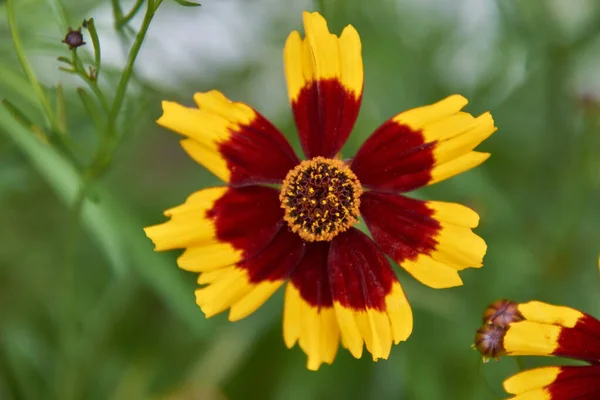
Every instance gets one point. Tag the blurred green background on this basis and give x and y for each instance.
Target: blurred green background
(89, 311)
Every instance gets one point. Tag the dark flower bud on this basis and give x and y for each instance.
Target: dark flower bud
(74, 38)
(502, 313)
(489, 341)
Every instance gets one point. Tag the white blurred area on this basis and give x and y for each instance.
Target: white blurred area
(187, 43)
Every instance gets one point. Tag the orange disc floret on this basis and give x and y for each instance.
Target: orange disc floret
(321, 198)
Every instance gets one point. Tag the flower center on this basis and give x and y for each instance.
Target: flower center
(321, 197)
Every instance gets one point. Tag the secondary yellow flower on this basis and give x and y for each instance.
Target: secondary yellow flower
(541, 329)
(280, 219)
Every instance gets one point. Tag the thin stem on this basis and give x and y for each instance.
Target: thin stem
(79, 69)
(127, 17)
(127, 72)
(19, 116)
(92, 110)
(44, 103)
(91, 27)
(60, 108)
(94, 86)
(117, 11)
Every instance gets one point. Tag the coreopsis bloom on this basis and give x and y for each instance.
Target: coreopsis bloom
(281, 219)
(540, 329)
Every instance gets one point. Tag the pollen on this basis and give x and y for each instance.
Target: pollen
(321, 198)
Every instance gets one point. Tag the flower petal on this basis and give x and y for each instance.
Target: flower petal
(244, 287)
(325, 80)
(422, 146)
(232, 140)
(309, 317)
(431, 240)
(554, 330)
(555, 383)
(368, 300)
(219, 226)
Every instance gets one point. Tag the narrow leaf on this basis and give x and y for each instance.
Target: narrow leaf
(96, 42)
(60, 109)
(17, 114)
(187, 3)
(64, 59)
(114, 228)
(92, 109)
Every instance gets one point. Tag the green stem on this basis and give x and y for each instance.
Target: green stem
(128, 71)
(91, 27)
(79, 69)
(117, 11)
(44, 103)
(127, 17)
(60, 108)
(19, 116)
(103, 154)
(92, 110)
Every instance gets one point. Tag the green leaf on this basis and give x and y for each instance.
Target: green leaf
(65, 60)
(61, 113)
(17, 114)
(188, 3)
(92, 109)
(96, 42)
(114, 228)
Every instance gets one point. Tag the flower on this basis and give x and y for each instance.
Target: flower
(541, 329)
(280, 219)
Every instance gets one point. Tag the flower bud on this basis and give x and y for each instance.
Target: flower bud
(74, 38)
(489, 341)
(502, 313)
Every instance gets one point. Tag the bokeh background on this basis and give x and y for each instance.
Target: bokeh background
(89, 311)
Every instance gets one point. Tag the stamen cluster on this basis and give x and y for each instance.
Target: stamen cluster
(321, 198)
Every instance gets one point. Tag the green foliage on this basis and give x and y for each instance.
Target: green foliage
(187, 3)
(89, 311)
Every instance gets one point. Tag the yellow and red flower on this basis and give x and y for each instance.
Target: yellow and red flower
(280, 219)
(540, 329)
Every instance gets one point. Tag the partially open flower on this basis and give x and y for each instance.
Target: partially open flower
(546, 330)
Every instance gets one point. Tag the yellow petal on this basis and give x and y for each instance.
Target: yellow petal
(418, 117)
(536, 311)
(431, 272)
(531, 379)
(315, 329)
(531, 338)
(457, 166)
(322, 56)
